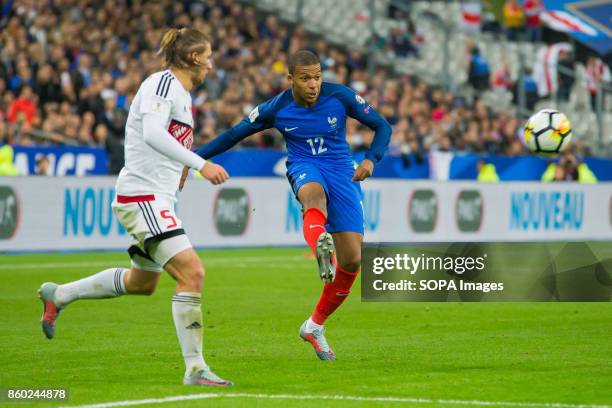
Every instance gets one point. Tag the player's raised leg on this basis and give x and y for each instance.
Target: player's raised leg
(348, 246)
(314, 205)
(108, 283)
(188, 271)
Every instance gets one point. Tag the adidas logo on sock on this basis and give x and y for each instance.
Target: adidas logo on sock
(193, 326)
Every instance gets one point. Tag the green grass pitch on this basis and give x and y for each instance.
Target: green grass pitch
(254, 302)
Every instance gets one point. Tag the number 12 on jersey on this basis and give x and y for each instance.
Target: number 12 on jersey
(316, 145)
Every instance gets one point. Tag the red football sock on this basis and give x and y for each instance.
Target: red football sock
(314, 226)
(333, 295)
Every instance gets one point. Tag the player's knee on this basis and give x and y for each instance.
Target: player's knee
(142, 288)
(313, 197)
(351, 263)
(135, 284)
(315, 202)
(148, 288)
(195, 277)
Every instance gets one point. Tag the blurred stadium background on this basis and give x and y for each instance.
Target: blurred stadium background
(455, 79)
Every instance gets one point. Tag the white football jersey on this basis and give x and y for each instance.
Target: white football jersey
(146, 171)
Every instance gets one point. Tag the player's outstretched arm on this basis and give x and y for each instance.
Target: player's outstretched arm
(227, 140)
(221, 144)
(256, 121)
(156, 136)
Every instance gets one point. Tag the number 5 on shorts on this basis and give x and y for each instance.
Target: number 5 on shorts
(167, 215)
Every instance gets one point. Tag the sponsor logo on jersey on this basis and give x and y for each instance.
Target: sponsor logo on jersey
(423, 210)
(9, 212)
(359, 99)
(468, 211)
(232, 211)
(182, 132)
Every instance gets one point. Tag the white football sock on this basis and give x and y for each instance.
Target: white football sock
(311, 325)
(187, 314)
(106, 284)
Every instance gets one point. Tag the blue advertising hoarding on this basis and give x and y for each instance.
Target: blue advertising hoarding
(88, 161)
(63, 161)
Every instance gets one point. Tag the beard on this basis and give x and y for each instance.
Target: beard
(197, 76)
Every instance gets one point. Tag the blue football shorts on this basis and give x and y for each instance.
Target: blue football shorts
(344, 197)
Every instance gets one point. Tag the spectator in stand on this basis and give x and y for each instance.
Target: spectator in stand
(513, 19)
(597, 76)
(478, 74)
(533, 9)
(47, 86)
(566, 75)
(569, 168)
(269, 28)
(502, 79)
(23, 108)
(404, 40)
(531, 90)
(42, 166)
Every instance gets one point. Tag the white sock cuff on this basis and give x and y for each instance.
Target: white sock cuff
(192, 298)
(119, 281)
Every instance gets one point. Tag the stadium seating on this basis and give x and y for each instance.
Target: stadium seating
(345, 21)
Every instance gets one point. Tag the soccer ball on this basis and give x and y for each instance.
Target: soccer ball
(547, 132)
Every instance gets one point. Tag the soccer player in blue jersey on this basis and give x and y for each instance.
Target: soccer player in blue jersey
(312, 116)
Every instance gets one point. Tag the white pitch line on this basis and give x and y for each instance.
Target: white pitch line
(240, 262)
(337, 398)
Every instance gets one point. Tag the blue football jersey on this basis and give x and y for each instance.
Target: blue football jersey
(314, 133)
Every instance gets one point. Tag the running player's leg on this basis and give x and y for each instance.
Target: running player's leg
(105, 284)
(141, 278)
(185, 267)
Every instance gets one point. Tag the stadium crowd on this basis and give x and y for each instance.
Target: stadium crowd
(69, 70)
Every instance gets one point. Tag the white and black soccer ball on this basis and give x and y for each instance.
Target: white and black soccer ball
(547, 132)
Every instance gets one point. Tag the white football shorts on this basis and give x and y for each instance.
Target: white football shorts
(157, 233)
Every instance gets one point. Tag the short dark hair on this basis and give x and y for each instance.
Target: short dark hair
(302, 58)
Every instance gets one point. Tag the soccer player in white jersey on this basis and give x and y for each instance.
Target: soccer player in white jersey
(158, 138)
